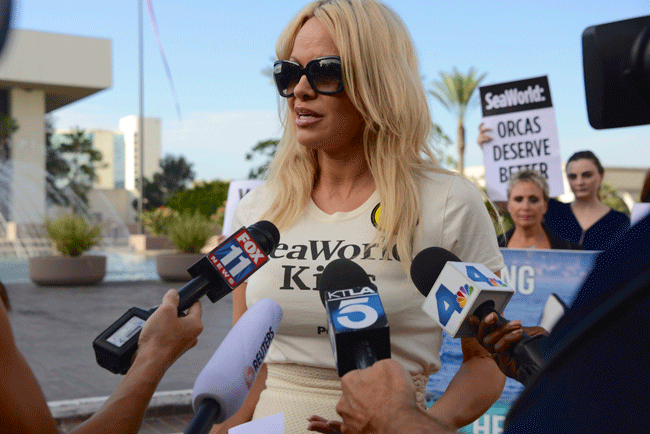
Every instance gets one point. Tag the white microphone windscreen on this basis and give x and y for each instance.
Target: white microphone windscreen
(230, 372)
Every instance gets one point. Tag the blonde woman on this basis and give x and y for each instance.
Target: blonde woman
(353, 178)
(527, 203)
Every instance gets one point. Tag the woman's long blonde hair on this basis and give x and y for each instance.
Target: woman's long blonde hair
(382, 79)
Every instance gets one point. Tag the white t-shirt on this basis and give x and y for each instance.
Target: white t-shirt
(453, 217)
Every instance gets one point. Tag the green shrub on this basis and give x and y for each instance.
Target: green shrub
(157, 221)
(205, 198)
(72, 234)
(190, 232)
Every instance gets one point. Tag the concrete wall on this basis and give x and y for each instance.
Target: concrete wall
(28, 155)
(67, 67)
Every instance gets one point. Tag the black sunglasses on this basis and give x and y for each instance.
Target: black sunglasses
(324, 75)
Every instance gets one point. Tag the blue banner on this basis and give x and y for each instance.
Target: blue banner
(535, 275)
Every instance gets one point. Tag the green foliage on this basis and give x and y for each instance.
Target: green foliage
(205, 198)
(72, 234)
(454, 91)
(439, 142)
(264, 149)
(190, 232)
(8, 126)
(71, 168)
(609, 197)
(175, 177)
(157, 221)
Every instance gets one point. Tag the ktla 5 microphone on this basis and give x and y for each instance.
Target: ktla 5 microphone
(224, 383)
(454, 290)
(358, 327)
(479, 292)
(216, 274)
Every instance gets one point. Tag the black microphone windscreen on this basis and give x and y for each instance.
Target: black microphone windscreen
(341, 274)
(271, 235)
(427, 266)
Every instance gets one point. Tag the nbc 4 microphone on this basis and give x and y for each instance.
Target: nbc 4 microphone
(223, 384)
(358, 327)
(216, 274)
(436, 272)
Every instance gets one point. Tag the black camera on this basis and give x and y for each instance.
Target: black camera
(616, 63)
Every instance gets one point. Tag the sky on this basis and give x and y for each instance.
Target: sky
(216, 51)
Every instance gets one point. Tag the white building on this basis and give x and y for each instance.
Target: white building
(130, 127)
(121, 152)
(41, 72)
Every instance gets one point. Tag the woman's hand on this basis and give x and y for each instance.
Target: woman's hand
(483, 136)
(322, 425)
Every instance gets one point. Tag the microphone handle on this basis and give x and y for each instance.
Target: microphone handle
(486, 308)
(189, 294)
(365, 356)
(204, 417)
(192, 291)
(528, 351)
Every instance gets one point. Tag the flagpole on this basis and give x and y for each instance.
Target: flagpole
(141, 121)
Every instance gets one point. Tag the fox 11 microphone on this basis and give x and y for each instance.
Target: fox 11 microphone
(357, 323)
(223, 385)
(216, 274)
(437, 272)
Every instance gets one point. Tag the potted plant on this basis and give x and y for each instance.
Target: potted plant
(189, 233)
(156, 222)
(71, 235)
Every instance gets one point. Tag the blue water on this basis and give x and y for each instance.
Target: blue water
(120, 266)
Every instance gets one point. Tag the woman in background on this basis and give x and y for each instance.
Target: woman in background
(585, 221)
(527, 204)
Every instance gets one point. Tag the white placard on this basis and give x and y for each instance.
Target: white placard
(524, 135)
(236, 191)
(273, 424)
(639, 211)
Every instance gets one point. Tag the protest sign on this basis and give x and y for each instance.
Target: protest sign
(236, 191)
(524, 134)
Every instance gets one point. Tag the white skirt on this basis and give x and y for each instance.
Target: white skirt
(301, 391)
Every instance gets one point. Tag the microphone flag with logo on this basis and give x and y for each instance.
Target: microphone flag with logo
(454, 290)
(358, 327)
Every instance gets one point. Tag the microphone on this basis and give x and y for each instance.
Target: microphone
(216, 274)
(434, 270)
(454, 290)
(223, 385)
(357, 323)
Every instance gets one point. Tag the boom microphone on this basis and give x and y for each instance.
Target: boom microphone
(434, 270)
(358, 327)
(216, 274)
(223, 384)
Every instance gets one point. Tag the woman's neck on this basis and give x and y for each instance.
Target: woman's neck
(591, 202)
(343, 182)
(530, 236)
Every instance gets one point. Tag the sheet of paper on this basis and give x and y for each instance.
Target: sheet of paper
(273, 424)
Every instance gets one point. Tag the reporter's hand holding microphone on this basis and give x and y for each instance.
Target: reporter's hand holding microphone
(499, 340)
(166, 336)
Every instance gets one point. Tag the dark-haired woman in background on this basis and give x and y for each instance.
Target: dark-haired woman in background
(586, 221)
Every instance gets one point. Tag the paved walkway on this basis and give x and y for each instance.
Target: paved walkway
(54, 328)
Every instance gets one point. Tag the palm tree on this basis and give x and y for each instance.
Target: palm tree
(454, 91)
